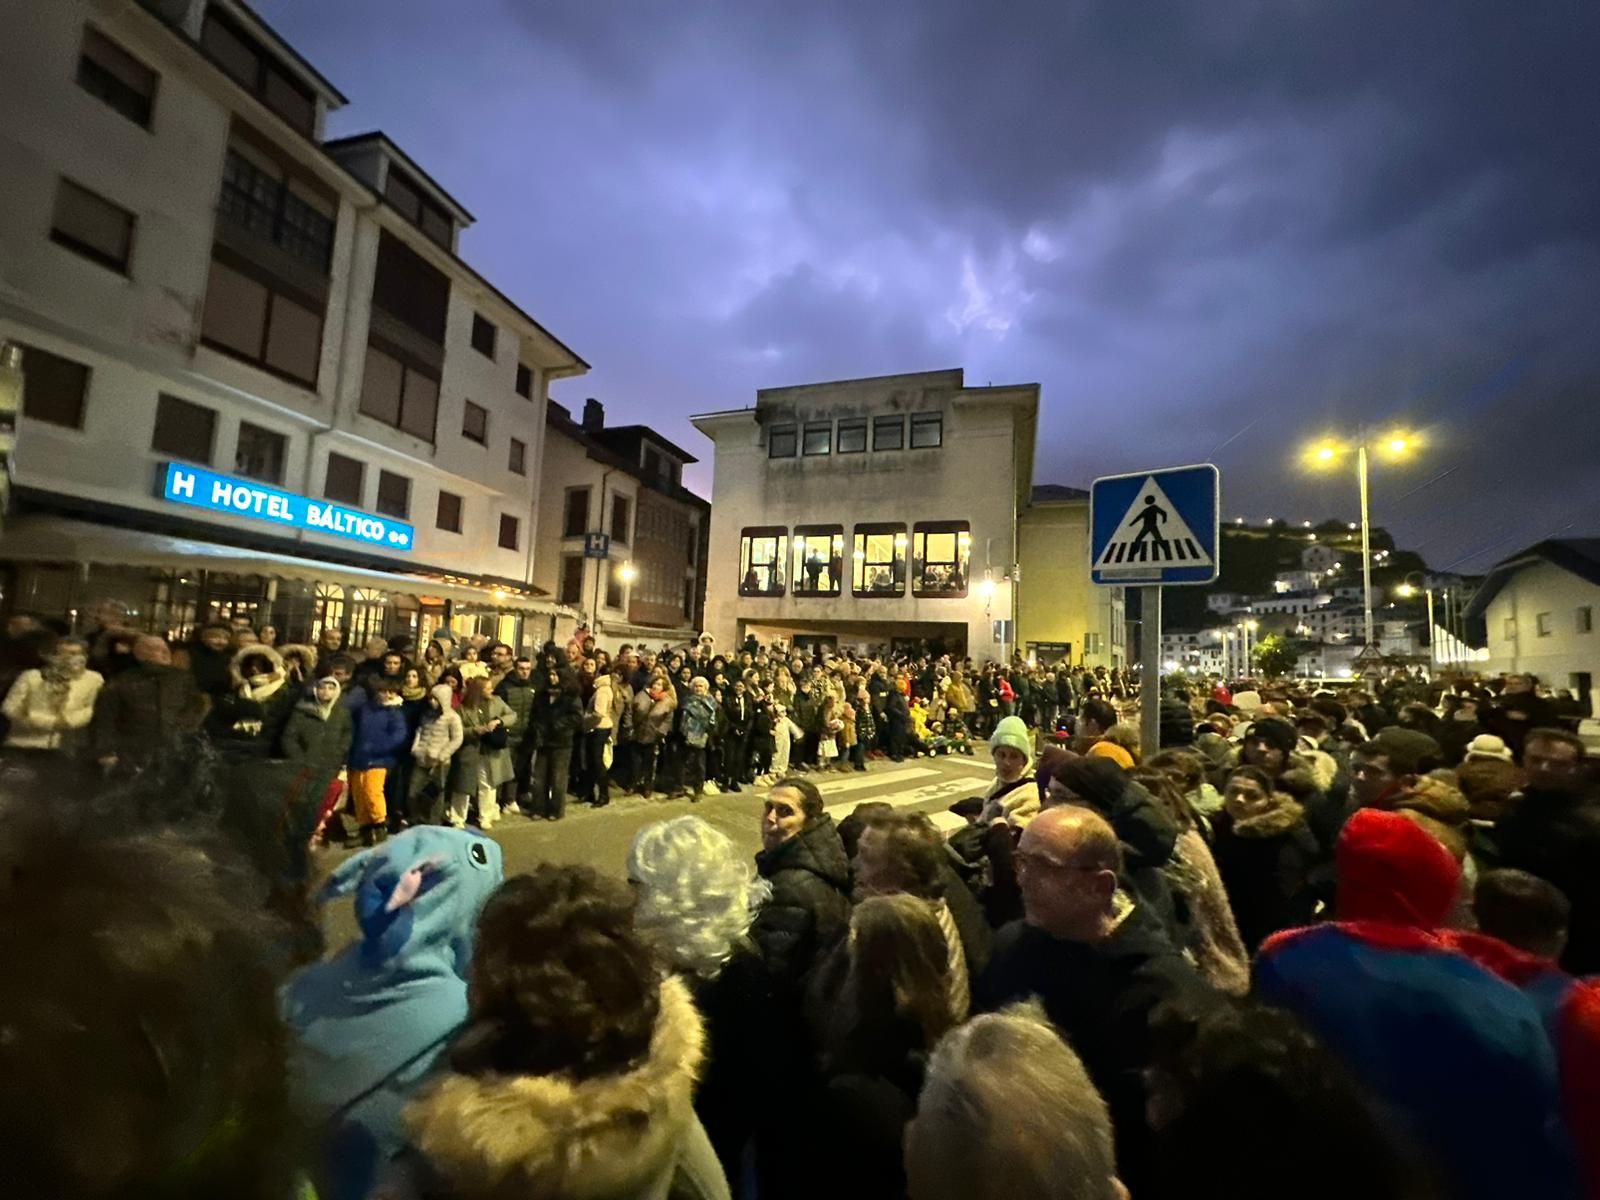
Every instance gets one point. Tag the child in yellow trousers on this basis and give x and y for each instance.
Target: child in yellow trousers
(372, 811)
(381, 737)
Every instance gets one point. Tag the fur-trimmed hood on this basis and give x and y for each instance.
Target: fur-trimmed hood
(300, 661)
(270, 653)
(1284, 816)
(616, 1137)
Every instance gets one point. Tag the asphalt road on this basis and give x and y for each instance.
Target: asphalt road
(600, 837)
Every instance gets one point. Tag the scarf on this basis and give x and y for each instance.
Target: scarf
(260, 687)
(413, 694)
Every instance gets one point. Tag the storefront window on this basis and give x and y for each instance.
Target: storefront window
(369, 612)
(234, 597)
(761, 554)
(174, 607)
(879, 560)
(818, 560)
(940, 555)
(327, 609)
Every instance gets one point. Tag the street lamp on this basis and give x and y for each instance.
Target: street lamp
(1406, 591)
(1324, 454)
(627, 572)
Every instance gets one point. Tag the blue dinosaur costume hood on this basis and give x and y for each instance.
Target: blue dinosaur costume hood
(371, 1021)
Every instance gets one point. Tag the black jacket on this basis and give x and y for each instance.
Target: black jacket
(735, 1082)
(519, 695)
(211, 668)
(866, 1103)
(1100, 998)
(556, 722)
(739, 713)
(1557, 837)
(1267, 865)
(810, 905)
(140, 710)
(318, 742)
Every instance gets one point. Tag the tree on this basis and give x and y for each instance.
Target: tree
(1275, 656)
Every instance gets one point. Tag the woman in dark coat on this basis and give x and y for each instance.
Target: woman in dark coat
(247, 720)
(1265, 853)
(892, 1009)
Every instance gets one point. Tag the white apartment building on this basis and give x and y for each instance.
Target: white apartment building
(871, 512)
(620, 539)
(1539, 607)
(258, 380)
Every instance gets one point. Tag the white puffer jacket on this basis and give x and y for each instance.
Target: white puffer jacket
(438, 735)
(601, 703)
(40, 714)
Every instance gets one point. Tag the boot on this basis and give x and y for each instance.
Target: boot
(368, 834)
(380, 834)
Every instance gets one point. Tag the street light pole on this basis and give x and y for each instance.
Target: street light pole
(1432, 658)
(1366, 538)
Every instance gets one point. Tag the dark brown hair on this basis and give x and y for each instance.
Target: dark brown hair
(913, 849)
(560, 981)
(897, 984)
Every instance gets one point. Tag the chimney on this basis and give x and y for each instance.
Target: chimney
(594, 415)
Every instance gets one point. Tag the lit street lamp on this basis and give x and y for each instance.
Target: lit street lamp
(1324, 454)
(1406, 591)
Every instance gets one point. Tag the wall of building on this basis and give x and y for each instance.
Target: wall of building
(971, 476)
(1515, 643)
(139, 332)
(567, 465)
(1056, 602)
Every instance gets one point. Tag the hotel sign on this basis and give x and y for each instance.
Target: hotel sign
(200, 488)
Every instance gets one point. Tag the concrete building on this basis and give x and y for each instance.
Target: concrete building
(1539, 608)
(258, 381)
(1060, 613)
(620, 492)
(870, 512)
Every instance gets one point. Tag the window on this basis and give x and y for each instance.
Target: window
(852, 438)
(54, 389)
(475, 423)
(619, 519)
(290, 214)
(510, 531)
(518, 461)
(1585, 622)
(888, 433)
(688, 599)
(345, 480)
(92, 226)
(110, 73)
(524, 383)
(692, 551)
(879, 561)
(818, 560)
(1542, 624)
(819, 437)
(927, 430)
(394, 495)
(575, 519)
(940, 555)
(399, 395)
(1093, 643)
(1510, 627)
(483, 335)
(448, 514)
(761, 555)
(249, 320)
(781, 441)
(406, 198)
(259, 453)
(613, 584)
(571, 590)
(652, 462)
(253, 69)
(406, 287)
(184, 430)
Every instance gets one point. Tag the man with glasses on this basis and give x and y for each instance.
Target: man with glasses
(1097, 960)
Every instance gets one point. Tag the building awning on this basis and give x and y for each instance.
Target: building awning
(48, 539)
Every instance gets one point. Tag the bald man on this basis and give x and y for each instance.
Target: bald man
(1097, 960)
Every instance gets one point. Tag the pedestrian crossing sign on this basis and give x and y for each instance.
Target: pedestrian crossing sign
(1155, 527)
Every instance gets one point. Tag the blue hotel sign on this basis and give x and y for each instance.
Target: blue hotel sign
(241, 498)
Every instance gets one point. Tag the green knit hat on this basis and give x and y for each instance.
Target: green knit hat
(1012, 732)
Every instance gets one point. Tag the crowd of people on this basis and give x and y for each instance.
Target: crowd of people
(1323, 945)
(457, 730)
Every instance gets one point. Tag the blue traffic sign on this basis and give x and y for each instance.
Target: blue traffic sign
(1156, 527)
(597, 545)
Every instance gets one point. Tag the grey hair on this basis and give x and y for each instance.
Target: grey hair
(697, 895)
(1008, 1113)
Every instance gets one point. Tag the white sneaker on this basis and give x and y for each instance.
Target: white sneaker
(712, 789)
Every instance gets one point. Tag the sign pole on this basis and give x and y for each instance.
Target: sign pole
(1150, 687)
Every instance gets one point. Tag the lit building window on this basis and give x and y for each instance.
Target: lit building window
(818, 563)
(879, 560)
(761, 553)
(940, 555)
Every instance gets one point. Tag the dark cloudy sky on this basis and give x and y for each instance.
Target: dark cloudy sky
(1209, 230)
